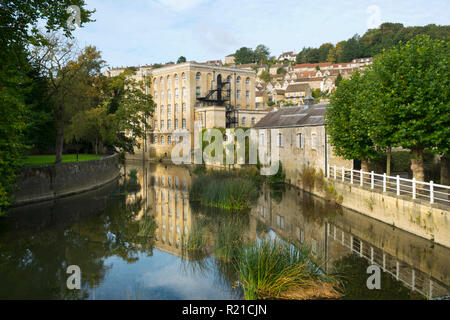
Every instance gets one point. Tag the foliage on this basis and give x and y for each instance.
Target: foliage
(262, 54)
(265, 76)
(372, 43)
(338, 79)
(20, 111)
(244, 55)
(347, 119)
(281, 70)
(181, 59)
(275, 269)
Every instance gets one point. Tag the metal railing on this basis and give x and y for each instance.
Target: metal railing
(430, 191)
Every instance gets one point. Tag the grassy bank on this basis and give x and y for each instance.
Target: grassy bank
(50, 159)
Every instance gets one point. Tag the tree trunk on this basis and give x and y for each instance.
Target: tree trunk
(59, 142)
(445, 170)
(388, 161)
(365, 165)
(417, 167)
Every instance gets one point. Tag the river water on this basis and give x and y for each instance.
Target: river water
(127, 238)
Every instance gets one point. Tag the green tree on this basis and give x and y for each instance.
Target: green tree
(71, 81)
(244, 55)
(181, 59)
(347, 120)
(265, 76)
(412, 82)
(338, 79)
(262, 54)
(19, 21)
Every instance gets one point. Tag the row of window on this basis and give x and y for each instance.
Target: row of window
(169, 124)
(162, 140)
(169, 108)
(169, 94)
(197, 78)
(300, 140)
(162, 181)
(244, 121)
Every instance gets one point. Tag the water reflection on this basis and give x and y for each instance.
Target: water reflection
(141, 238)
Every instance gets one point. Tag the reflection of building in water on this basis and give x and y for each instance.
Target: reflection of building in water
(414, 261)
(166, 193)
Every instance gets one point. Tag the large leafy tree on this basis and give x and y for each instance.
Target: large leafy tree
(244, 55)
(262, 54)
(412, 85)
(347, 120)
(72, 81)
(18, 25)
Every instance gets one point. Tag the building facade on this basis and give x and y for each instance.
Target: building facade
(301, 139)
(189, 93)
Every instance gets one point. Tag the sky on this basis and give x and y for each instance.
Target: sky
(140, 32)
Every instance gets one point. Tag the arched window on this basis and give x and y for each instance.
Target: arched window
(169, 109)
(155, 82)
(197, 76)
(183, 76)
(162, 108)
(155, 141)
(176, 108)
(184, 92)
(247, 81)
(169, 126)
(253, 121)
(161, 80)
(238, 80)
(176, 93)
(162, 142)
(169, 94)
(243, 121)
(176, 78)
(184, 107)
(229, 79)
(169, 141)
(169, 81)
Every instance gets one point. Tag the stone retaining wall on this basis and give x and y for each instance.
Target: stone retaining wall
(48, 182)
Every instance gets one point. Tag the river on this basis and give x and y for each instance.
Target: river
(128, 237)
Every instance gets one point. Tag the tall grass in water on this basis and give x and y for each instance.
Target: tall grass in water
(230, 193)
(275, 269)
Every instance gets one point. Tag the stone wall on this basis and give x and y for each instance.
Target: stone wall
(48, 182)
(419, 217)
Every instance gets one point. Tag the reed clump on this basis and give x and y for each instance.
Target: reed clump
(278, 270)
(224, 189)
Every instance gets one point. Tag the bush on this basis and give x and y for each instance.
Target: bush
(275, 269)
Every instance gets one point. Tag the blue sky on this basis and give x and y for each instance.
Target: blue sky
(138, 32)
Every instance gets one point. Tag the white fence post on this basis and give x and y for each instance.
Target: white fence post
(414, 188)
(334, 172)
(343, 174)
(431, 192)
(361, 178)
(351, 176)
(384, 182)
(371, 180)
(398, 185)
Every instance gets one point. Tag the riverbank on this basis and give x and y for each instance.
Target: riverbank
(48, 182)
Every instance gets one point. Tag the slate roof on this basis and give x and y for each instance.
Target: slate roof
(300, 87)
(294, 117)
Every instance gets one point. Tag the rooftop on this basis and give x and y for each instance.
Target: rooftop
(294, 117)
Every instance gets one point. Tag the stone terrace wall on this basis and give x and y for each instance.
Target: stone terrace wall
(48, 182)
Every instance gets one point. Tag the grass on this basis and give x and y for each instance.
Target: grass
(278, 270)
(50, 159)
(229, 190)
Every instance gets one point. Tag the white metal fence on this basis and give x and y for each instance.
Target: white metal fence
(432, 192)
